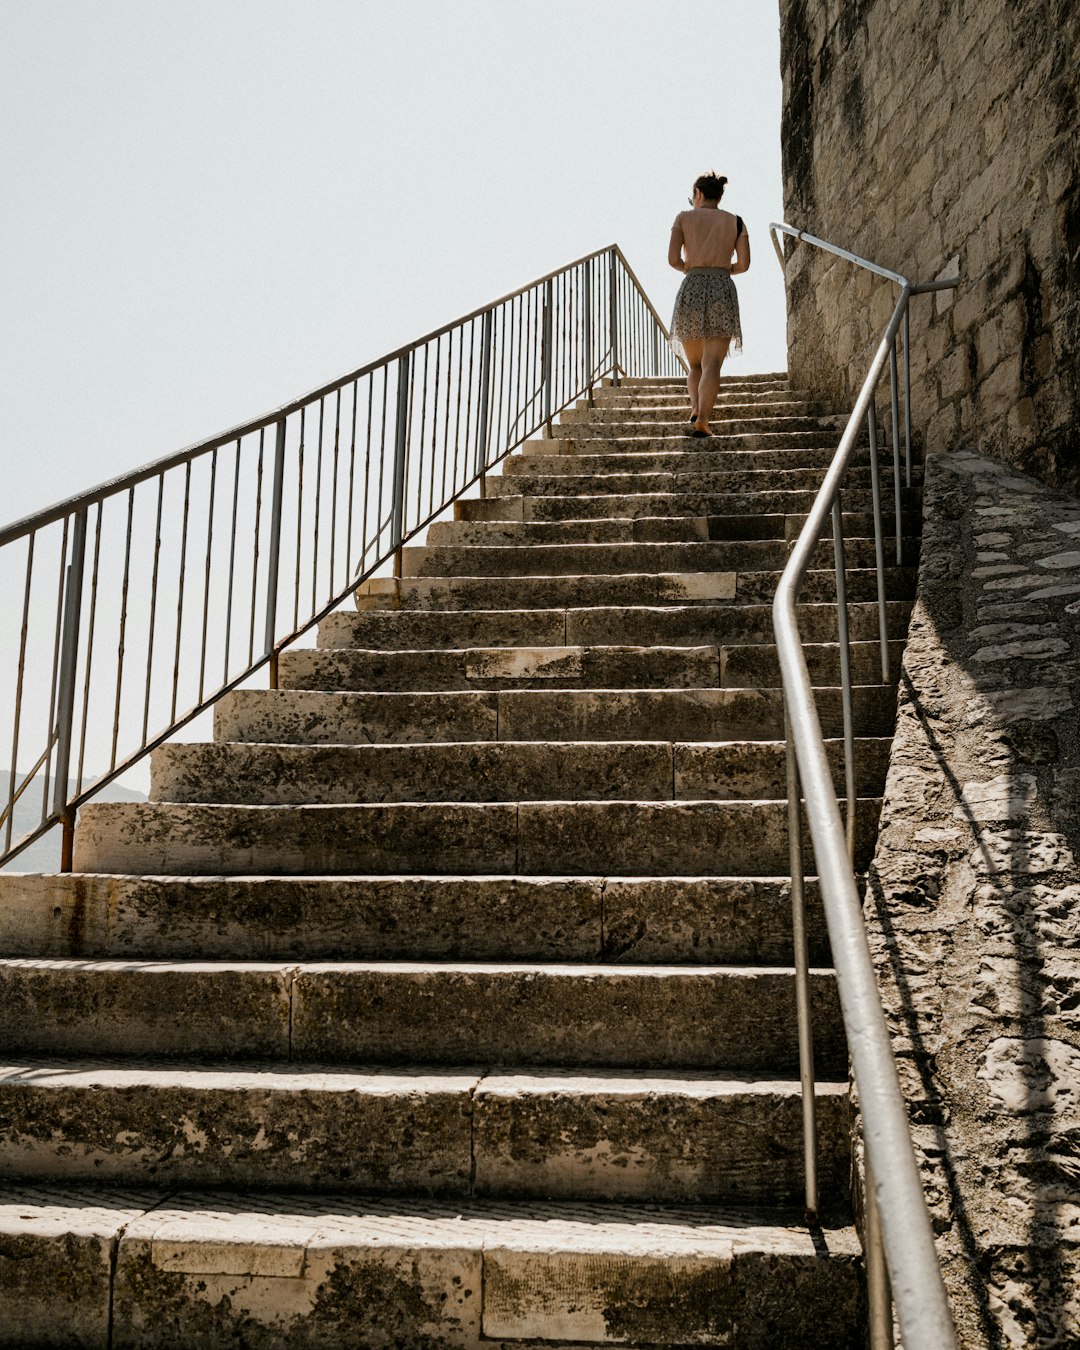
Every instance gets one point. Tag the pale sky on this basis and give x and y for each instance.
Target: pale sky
(210, 206)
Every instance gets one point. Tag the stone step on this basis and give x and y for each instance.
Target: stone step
(569, 481)
(652, 667)
(311, 717)
(606, 506)
(524, 1134)
(726, 421)
(655, 438)
(752, 555)
(650, 530)
(729, 1018)
(679, 456)
(591, 590)
(684, 838)
(500, 771)
(669, 920)
(219, 1270)
(755, 380)
(677, 396)
(735, 412)
(623, 625)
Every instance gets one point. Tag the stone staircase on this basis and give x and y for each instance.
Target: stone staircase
(445, 999)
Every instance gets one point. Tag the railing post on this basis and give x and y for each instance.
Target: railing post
(546, 354)
(65, 710)
(587, 332)
(274, 555)
(613, 316)
(803, 1012)
(482, 430)
(401, 428)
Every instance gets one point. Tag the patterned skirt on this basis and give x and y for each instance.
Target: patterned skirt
(707, 306)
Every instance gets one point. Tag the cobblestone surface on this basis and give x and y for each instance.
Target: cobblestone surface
(974, 897)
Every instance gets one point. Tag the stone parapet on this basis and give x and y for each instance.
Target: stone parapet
(974, 897)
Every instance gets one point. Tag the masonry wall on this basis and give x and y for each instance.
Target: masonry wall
(935, 136)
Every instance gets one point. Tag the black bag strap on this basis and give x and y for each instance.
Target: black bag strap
(740, 228)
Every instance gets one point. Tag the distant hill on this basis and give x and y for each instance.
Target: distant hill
(43, 855)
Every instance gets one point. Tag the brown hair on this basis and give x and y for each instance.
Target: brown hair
(711, 186)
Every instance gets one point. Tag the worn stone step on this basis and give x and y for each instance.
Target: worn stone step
(676, 394)
(753, 555)
(215, 1270)
(734, 1018)
(595, 590)
(602, 423)
(649, 530)
(757, 663)
(684, 838)
(728, 409)
(766, 501)
(682, 920)
(532, 482)
(483, 668)
(622, 625)
(616, 438)
(678, 456)
(311, 717)
(525, 1134)
(501, 668)
(274, 775)
(650, 383)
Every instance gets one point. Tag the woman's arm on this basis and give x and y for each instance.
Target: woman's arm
(742, 254)
(675, 246)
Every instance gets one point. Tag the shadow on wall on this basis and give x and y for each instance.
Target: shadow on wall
(974, 897)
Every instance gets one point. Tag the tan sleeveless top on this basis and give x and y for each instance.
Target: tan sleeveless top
(707, 236)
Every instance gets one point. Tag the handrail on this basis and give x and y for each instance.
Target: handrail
(899, 1236)
(208, 562)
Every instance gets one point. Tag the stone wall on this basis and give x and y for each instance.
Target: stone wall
(935, 136)
(974, 897)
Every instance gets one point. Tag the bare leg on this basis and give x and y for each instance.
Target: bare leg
(693, 347)
(712, 359)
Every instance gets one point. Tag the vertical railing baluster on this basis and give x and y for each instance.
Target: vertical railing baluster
(803, 1006)
(50, 726)
(907, 395)
(587, 335)
(208, 568)
(349, 524)
(90, 630)
(255, 547)
(485, 394)
(401, 423)
(65, 704)
(845, 671)
(232, 564)
(613, 317)
(334, 494)
(546, 354)
(122, 644)
(19, 678)
(273, 564)
(878, 1294)
(879, 543)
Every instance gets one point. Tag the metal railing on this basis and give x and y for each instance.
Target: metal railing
(899, 1238)
(143, 601)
